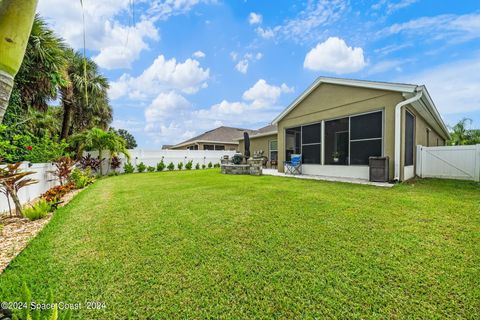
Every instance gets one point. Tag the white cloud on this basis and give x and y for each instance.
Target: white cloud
(335, 56)
(254, 18)
(161, 76)
(242, 66)
(163, 9)
(263, 95)
(198, 54)
(391, 7)
(259, 56)
(454, 87)
(265, 33)
(387, 65)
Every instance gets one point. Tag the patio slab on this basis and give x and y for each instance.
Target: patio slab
(274, 172)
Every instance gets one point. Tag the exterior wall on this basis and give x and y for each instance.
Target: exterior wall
(335, 101)
(260, 143)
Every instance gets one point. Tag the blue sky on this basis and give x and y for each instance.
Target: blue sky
(180, 67)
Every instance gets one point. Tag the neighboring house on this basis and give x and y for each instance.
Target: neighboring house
(221, 138)
(264, 139)
(167, 147)
(337, 124)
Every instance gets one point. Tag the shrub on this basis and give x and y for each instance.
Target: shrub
(210, 165)
(180, 165)
(189, 165)
(203, 166)
(12, 179)
(171, 166)
(141, 167)
(115, 163)
(64, 167)
(197, 166)
(150, 169)
(38, 211)
(160, 166)
(46, 149)
(89, 162)
(80, 178)
(128, 168)
(56, 193)
(216, 165)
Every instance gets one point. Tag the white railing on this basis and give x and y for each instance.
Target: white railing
(452, 162)
(46, 180)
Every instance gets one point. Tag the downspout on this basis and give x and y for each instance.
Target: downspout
(398, 129)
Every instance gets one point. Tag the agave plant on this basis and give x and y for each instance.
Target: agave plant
(12, 179)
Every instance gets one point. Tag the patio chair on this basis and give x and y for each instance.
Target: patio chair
(294, 166)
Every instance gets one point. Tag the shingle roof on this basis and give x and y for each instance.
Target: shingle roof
(220, 134)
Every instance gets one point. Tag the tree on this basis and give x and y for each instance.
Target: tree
(16, 19)
(80, 112)
(129, 138)
(101, 140)
(12, 179)
(461, 135)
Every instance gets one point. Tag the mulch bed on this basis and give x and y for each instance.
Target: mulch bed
(17, 232)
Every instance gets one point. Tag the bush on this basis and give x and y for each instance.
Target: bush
(171, 166)
(203, 166)
(189, 165)
(150, 169)
(160, 166)
(128, 168)
(180, 165)
(38, 211)
(141, 167)
(46, 150)
(64, 166)
(197, 166)
(56, 193)
(210, 165)
(216, 165)
(115, 163)
(89, 162)
(80, 178)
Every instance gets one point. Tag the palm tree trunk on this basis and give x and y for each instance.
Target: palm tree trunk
(16, 20)
(67, 102)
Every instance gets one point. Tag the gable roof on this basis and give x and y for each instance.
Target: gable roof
(225, 135)
(425, 105)
(264, 131)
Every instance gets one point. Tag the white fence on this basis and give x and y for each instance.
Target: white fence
(46, 180)
(454, 162)
(152, 157)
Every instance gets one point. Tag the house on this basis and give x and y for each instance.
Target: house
(337, 124)
(221, 138)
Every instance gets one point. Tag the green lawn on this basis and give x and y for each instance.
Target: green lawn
(201, 244)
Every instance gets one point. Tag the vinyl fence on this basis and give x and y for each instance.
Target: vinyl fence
(46, 180)
(453, 162)
(152, 157)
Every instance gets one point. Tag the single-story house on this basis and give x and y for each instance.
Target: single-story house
(337, 124)
(221, 138)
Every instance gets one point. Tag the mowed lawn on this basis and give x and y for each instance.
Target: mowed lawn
(198, 244)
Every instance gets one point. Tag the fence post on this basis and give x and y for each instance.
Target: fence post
(418, 167)
(477, 163)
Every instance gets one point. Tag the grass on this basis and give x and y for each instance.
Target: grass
(201, 244)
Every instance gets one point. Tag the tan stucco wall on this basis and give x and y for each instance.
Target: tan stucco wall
(334, 101)
(260, 143)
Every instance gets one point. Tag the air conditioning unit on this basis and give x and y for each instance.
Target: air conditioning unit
(378, 169)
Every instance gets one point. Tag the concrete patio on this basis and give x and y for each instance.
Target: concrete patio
(274, 172)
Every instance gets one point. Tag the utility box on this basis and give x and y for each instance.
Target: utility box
(378, 169)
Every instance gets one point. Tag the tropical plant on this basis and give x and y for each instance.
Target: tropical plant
(189, 165)
(180, 165)
(12, 179)
(160, 166)
(90, 162)
(38, 211)
(131, 143)
(461, 135)
(150, 169)
(56, 193)
(197, 166)
(81, 178)
(46, 149)
(115, 163)
(128, 168)
(16, 19)
(171, 166)
(141, 167)
(64, 166)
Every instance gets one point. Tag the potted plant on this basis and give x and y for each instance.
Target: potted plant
(336, 156)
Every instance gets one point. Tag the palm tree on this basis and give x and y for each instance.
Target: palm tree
(101, 140)
(460, 135)
(16, 19)
(87, 107)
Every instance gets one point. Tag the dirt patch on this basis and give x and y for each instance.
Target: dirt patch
(17, 232)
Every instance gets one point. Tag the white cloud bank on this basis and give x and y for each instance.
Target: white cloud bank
(335, 56)
(254, 18)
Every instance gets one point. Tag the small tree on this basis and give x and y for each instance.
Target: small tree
(171, 166)
(12, 179)
(180, 165)
(160, 166)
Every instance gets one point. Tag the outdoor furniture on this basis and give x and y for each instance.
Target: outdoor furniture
(294, 166)
(273, 163)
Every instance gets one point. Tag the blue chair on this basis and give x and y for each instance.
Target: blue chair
(294, 166)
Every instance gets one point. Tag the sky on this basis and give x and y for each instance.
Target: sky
(180, 67)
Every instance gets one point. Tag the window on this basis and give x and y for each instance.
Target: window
(409, 138)
(336, 141)
(208, 147)
(220, 148)
(311, 143)
(365, 137)
(292, 142)
(273, 146)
